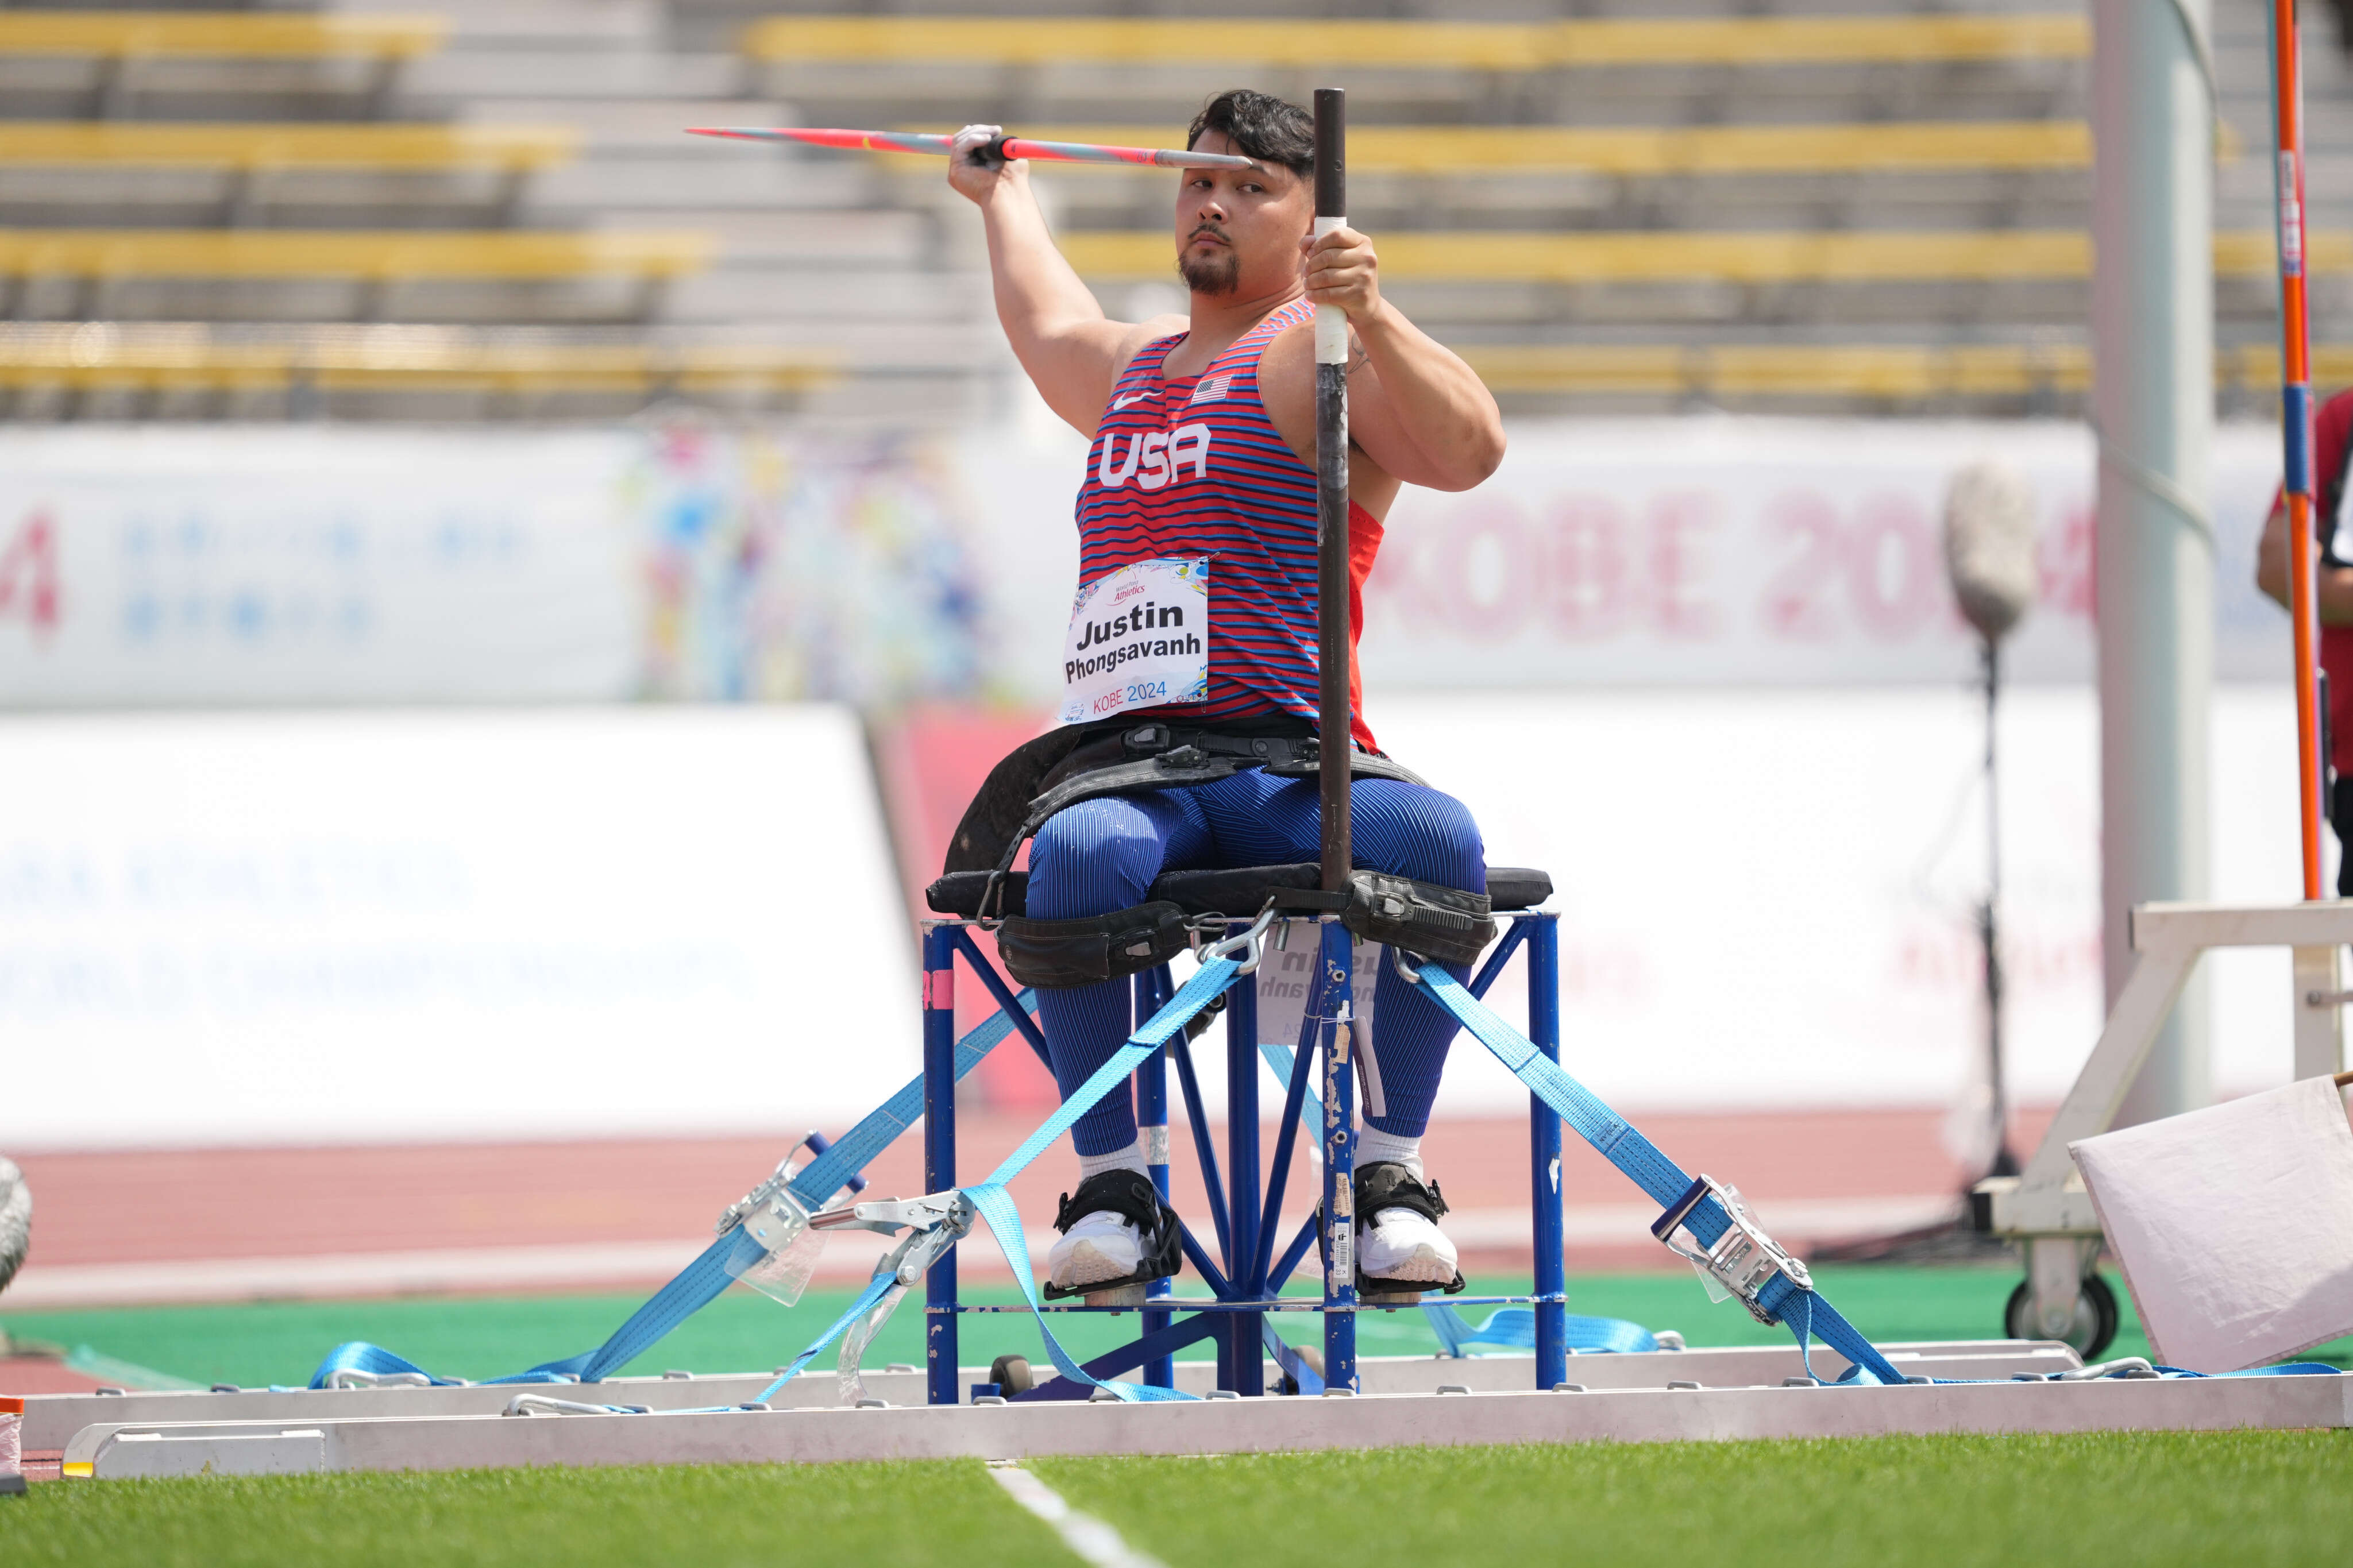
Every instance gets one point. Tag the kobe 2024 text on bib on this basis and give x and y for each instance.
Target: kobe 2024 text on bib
(1139, 638)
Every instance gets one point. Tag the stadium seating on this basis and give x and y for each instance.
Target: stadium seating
(375, 260)
(1861, 203)
(1743, 257)
(282, 146)
(1458, 150)
(73, 172)
(1230, 42)
(123, 45)
(191, 35)
(337, 368)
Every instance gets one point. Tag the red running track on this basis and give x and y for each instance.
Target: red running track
(612, 1211)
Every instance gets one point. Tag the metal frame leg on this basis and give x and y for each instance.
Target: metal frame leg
(1339, 1162)
(939, 1157)
(1544, 1154)
(1151, 989)
(1243, 1187)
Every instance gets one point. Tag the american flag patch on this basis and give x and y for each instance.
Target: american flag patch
(1212, 389)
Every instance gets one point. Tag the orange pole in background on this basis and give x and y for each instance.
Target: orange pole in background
(2296, 419)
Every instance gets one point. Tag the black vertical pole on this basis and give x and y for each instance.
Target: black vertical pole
(2005, 1164)
(1332, 715)
(1332, 626)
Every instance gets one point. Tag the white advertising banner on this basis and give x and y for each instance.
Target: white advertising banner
(1703, 552)
(152, 565)
(424, 924)
(1769, 897)
(1765, 553)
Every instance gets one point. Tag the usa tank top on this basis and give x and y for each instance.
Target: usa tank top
(1190, 469)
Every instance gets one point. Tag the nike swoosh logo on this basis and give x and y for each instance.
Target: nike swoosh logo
(1119, 403)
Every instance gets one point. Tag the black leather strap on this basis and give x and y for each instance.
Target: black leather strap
(1128, 1194)
(1388, 1185)
(1134, 1199)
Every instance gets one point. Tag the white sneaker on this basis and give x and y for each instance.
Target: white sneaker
(1102, 1245)
(1404, 1246)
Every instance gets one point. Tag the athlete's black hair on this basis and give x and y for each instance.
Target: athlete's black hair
(1265, 128)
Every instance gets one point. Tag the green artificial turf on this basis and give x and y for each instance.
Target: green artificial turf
(2244, 1498)
(917, 1514)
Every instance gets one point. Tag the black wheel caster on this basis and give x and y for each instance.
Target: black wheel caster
(2093, 1330)
(1011, 1372)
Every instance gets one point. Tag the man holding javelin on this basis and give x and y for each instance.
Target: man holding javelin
(1194, 633)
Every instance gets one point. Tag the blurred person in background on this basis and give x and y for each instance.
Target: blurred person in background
(2332, 584)
(1203, 462)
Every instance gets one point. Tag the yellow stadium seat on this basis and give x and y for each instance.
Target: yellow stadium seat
(103, 356)
(1762, 257)
(285, 146)
(1890, 373)
(217, 34)
(1673, 150)
(1415, 45)
(378, 254)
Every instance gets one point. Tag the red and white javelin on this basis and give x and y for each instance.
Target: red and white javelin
(1005, 147)
(2295, 420)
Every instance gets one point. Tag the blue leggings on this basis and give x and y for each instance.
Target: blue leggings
(1102, 854)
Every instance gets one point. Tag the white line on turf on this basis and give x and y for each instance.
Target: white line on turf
(1095, 1541)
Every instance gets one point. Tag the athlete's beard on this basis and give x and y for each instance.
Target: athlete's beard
(1216, 272)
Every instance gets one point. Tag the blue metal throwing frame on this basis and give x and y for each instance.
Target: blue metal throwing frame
(1246, 1276)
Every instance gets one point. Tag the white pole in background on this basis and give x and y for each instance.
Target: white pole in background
(2153, 405)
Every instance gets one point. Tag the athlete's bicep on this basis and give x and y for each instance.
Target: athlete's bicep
(1074, 369)
(1376, 423)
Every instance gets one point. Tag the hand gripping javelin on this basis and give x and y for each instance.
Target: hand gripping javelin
(1002, 147)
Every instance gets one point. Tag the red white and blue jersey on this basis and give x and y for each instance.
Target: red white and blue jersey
(1194, 469)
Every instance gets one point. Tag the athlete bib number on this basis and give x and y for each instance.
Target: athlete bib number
(1139, 638)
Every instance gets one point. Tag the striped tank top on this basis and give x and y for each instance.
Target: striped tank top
(1195, 467)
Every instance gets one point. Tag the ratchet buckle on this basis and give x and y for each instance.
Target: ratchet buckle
(1739, 1263)
(934, 1222)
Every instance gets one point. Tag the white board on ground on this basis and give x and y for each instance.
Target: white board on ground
(305, 926)
(2234, 1225)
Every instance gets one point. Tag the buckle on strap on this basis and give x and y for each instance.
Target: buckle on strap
(934, 1222)
(1251, 943)
(1742, 1261)
(776, 1191)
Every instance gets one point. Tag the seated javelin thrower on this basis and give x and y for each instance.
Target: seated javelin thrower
(1198, 505)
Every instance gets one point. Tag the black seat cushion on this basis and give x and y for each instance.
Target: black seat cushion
(1240, 893)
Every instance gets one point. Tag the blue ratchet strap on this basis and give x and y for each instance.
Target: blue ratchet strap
(703, 1280)
(1804, 1312)
(996, 1205)
(1515, 1328)
(876, 1288)
(1278, 1058)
